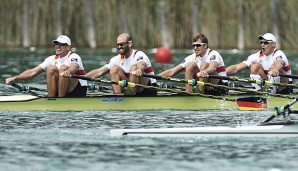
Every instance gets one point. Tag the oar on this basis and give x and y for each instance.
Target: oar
(200, 83)
(130, 84)
(289, 76)
(281, 110)
(25, 88)
(259, 82)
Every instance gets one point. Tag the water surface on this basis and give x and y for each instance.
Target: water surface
(45, 140)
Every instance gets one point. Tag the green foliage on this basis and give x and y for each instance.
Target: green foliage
(218, 19)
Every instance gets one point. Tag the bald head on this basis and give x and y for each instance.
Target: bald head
(124, 37)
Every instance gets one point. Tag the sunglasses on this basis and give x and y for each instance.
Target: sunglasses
(61, 44)
(122, 44)
(198, 44)
(265, 42)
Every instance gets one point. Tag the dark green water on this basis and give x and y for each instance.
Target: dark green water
(44, 140)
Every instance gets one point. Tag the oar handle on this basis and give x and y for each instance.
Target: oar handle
(16, 86)
(24, 88)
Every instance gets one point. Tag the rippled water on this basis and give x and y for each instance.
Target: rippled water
(81, 141)
(45, 140)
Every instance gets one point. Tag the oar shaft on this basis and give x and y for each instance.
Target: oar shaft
(221, 77)
(289, 76)
(81, 77)
(165, 78)
(281, 110)
(130, 84)
(153, 76)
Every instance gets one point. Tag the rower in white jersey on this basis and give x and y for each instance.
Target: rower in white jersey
(128, 65)
(58, 68)
(266, 64)
(203, 62)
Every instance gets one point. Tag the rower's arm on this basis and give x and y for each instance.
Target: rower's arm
(233, 69)
(73, 68)
(276, 68)
(211, 68)
(25, 75)
(172, 71)
(98, 72)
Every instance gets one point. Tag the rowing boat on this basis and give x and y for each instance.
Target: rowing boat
(287, 128)
(122, 102)
(175, 100)
(278, 130)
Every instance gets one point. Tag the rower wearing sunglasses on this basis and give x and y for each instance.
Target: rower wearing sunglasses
(58, 68)
(266, 64)
(128, 65)
(203, 62)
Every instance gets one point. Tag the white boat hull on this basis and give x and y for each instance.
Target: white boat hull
(243, 131)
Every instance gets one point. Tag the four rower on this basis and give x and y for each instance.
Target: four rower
(130, 64)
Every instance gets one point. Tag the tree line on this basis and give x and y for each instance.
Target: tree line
(228, 24)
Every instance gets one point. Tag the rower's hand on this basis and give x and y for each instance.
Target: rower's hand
(9, 80)
(273, 73)
(137, 73)
(202, 74)
(65, 73)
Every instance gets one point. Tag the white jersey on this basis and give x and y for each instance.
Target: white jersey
(66, 60)
(211, 55)
(268, 61)
(127, 63)
(192, 58)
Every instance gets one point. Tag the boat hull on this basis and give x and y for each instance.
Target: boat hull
(114, 102)
(245, 131)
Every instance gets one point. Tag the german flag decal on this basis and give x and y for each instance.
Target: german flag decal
(252, 103)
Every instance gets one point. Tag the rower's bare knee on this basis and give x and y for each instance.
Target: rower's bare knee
(63, 68)
(191, 67)
(52, 70)
(114, 70)
(133, 68)
(255, 68)
(204, 65)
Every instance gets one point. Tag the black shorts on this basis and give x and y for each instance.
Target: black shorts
(148, 92)
(79, 91)
(217, 91)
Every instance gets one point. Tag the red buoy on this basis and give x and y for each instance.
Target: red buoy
(163, 55)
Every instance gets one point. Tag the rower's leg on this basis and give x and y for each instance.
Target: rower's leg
(52, 80)
(257, 69)
(137, 80)
(63, 83)
(257, 73)
(191, 71)
(117, 74)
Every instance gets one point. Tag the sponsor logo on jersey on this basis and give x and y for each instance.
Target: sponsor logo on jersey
(140, 58)
(74, 60)
(213, 57)
(278, 58)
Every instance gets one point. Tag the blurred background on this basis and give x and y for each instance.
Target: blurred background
(229, 24)
(28, 27)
